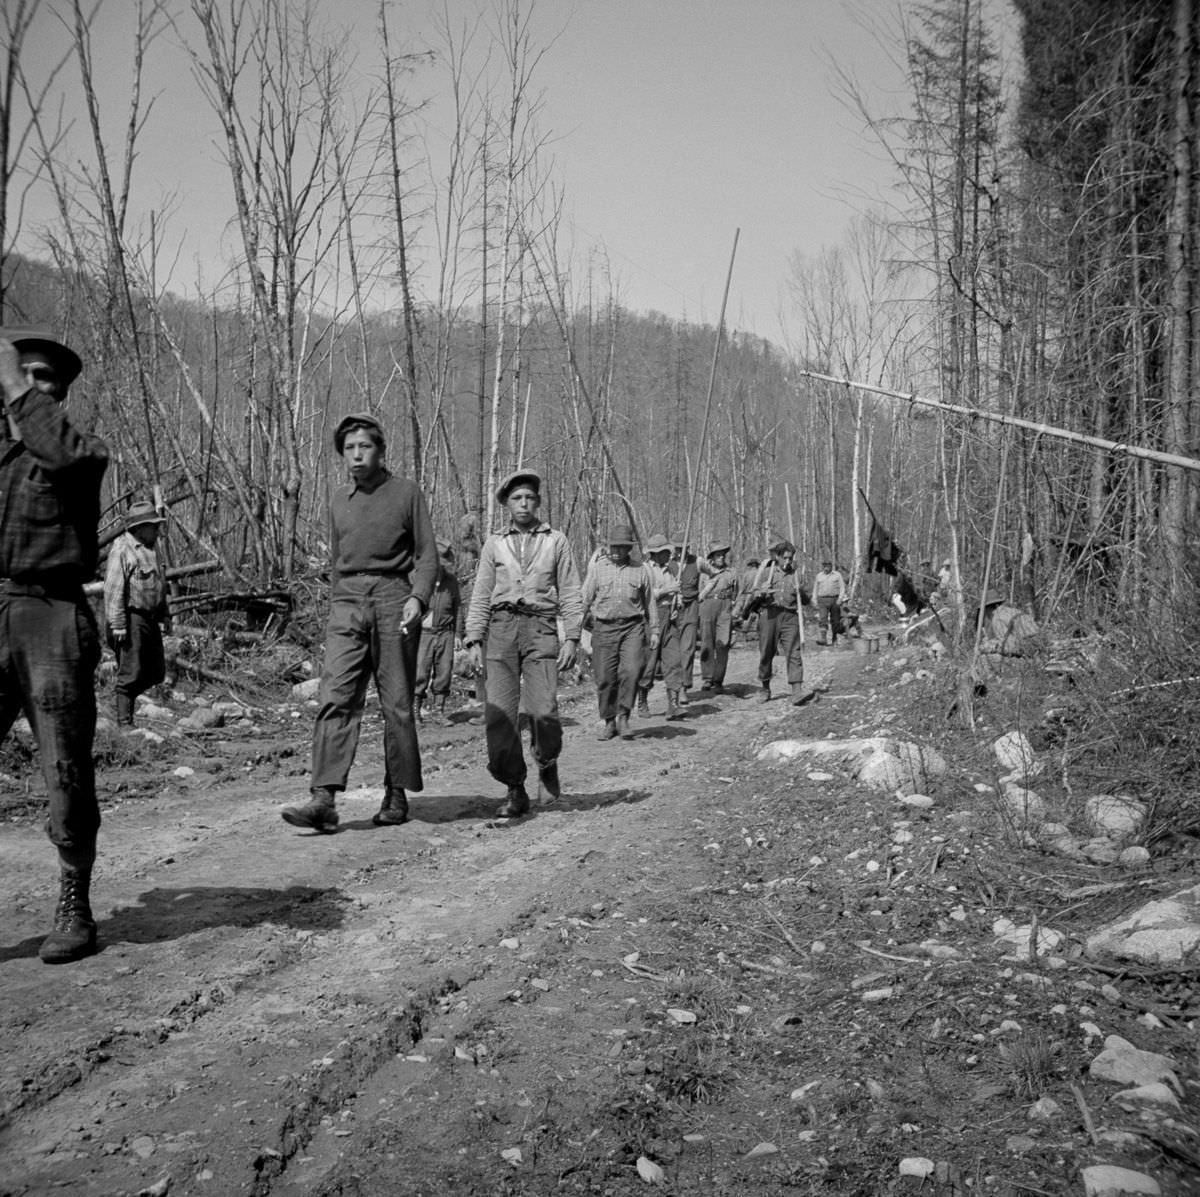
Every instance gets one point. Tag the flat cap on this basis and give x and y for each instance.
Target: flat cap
(40, 340)
(356, 419)
(528, 477)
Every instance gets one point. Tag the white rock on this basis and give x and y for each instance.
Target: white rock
(1100, 851)
(1045, 1109)
(1117, 816)
(1125, 1064)
(1015, 753)
(1151, 1096)
(925, 763)
(306, 689)
(786, 750)
(916, 801)
(150, 710)
(202, 717)
(1165, 931)
(183, 772)
(1107, 1180)
(916, 1165)
(146, 734)
(1025, 806)
(1135, 857)
(1021, 938)
(882, 771)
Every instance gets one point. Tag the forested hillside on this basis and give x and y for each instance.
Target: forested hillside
(1040, 261)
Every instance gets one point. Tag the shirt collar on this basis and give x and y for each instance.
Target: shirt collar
(383, 475)
(512, 529)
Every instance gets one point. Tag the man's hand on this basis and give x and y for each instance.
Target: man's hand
(475, 656)
(654, 639)
(413, 610)
(566, 654)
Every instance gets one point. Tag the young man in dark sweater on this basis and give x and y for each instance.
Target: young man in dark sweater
(384, 562)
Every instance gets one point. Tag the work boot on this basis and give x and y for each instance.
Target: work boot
(394, 810)
(801, 693)
(643, 702)
(548, 779)
(516, 802)
(623, 726)
(765, 693)
(317, 813)
(74, 933)
(681, 697)
(608, 731)
(441, 708)
(124, 710)
(673, 711)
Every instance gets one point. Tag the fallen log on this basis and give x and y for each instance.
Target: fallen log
(178, 571)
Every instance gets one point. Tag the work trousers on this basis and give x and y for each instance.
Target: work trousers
(140, 661)
(521, 656)
(618, 658)
(779, 632)
(716, 634)
(364, 638)
(829, 616)
(49, 650)
(665, 659)
(688, 622)
(435, 663)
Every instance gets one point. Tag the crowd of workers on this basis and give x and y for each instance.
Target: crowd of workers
(397, 613)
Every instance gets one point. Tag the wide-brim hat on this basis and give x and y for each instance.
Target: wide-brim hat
(991, 597)
(40, 340)
(677, 540)
(782, 545)
(621, 534)
(143, 513)
(356, 419)
(529, 477)
(657, 543)
(718, 546)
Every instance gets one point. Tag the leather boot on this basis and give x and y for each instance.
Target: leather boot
(643, 701)
(548, 779)
(681, 697)
(673, 711)
(623, 726)
(516, 802)
(608, 731)
(124, 710)
(801, 693)
(441, 708)
(765, 693)
(317, 813)
(394, 810)
(74, 933)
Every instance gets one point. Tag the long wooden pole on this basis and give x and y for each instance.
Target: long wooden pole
(712, 379)
(996, 417)
(787, 495)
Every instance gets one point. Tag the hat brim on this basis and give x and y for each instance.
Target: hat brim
(528, 478)
(32, 340)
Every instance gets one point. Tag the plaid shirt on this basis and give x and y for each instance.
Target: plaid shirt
(134, 578)
(612, 591)
(49, 495)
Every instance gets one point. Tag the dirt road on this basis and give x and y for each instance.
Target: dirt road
(269, 1006)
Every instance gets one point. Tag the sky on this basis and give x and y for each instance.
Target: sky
(674, 123)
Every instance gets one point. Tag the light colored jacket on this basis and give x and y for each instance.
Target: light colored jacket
(612, 591)
(134, 577)
(534, 572)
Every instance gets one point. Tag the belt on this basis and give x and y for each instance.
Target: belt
(67, 591)
(518, 609)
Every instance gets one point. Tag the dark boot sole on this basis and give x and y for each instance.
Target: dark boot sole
(68, 955)
(298, 820)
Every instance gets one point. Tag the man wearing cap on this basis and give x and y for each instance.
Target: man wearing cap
(526, 581)
(384, 562)
(440, 628)
(716, 600)
(619, 598)
(50, 475)
(663, 658)
(829, 591)
(776, 587)
(686, 611)
(135, 608)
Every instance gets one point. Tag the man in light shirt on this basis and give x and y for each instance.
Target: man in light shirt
(667, 654)
(829, 591)
(526, 581)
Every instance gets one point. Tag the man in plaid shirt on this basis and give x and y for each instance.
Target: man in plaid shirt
(50, 476)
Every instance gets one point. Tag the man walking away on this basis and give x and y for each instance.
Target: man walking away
(717, 597)
(619, 596)
(384, 563)
(50, 475)
(441, 628)
(135, 608)
(526, 580)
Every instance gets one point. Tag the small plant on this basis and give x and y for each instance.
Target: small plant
(1032, 1061)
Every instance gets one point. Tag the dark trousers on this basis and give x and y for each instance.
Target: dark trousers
(667, 657)
(49, 650)
(140, 661)
(716, 633)
(688, 622)
(779, 632)
(618, 658)
(829, 616)
(521, 676)
(364, 638)
(435, 663)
